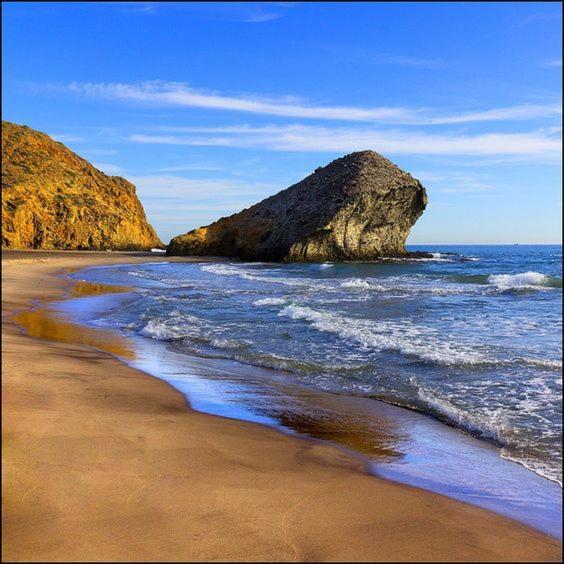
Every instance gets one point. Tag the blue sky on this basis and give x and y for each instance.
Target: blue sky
(208, 107)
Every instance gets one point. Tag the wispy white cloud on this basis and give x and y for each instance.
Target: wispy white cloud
(96, 152)
(206, 191)
(66, 137)
(109, 168)
(541, 142)
(191, 168)
(182, 95)
(520, 112)
(407, 61)
(539, 18)
(247, 12)
(178, 204)
(452, 182)
(552, 63)
(139, 7)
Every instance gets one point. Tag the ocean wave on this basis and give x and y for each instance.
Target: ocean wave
(175, 326)
(541, 363)
(294, 365)
(493, 426)
(269, 302)
(361, 284)
(226, 270)
(223, 343)
(457, 284)
(405, 285)
(246, 274)
(493, 282)
(141, 274)
(404, 337)
(524, 281)
(434, 257)
(540, 467)
(419, 259)
(241, 351)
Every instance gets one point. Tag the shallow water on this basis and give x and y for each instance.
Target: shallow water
(397, 443)
(472, 336)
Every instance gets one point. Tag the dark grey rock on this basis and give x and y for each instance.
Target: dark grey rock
(359, 207)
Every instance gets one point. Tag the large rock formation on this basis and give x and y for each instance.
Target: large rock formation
(359, 207)
(53, 199)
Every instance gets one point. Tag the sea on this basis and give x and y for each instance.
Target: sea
(468, 340)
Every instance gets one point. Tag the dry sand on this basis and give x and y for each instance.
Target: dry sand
(102, 462)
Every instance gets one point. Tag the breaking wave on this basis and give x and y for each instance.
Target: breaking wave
(361, 284)
(524, 281)
(269, 302)
(491, 424)
(404, 337)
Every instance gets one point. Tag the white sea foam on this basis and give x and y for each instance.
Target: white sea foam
(435, 257)
(540, 467)
(441, 257)
(325, 265)
(221, 343)
(391, 284)
(269, 302)
(542, 363)
(226, 270)
(405, 337)
(494, 423)
(361, 284)
(406, 285)
(492, 426)
(521, 281)
(159, 331)
(246, 274)
(175, 326)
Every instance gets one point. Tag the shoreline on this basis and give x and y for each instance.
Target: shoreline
(252, 493)
(403, 445)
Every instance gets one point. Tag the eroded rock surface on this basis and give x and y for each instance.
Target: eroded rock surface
(54, 199)
(358, 207)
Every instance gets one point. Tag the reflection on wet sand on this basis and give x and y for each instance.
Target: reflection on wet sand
(45, 324)
(48, 324)
(254, 393)
(371, 435)
(374, 436)
(83, 289)
(333, 418)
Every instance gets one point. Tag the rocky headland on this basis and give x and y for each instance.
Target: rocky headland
(358, 207)
(54, 199)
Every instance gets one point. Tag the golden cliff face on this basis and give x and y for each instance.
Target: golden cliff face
(54, 199)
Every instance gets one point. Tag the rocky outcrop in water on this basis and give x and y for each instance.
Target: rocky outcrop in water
(359, 207)
(54, 199)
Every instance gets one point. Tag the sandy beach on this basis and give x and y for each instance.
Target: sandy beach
(105, 463)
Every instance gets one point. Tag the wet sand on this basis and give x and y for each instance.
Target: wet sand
(102, 462)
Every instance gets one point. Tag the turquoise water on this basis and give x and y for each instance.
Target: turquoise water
(471, 336)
